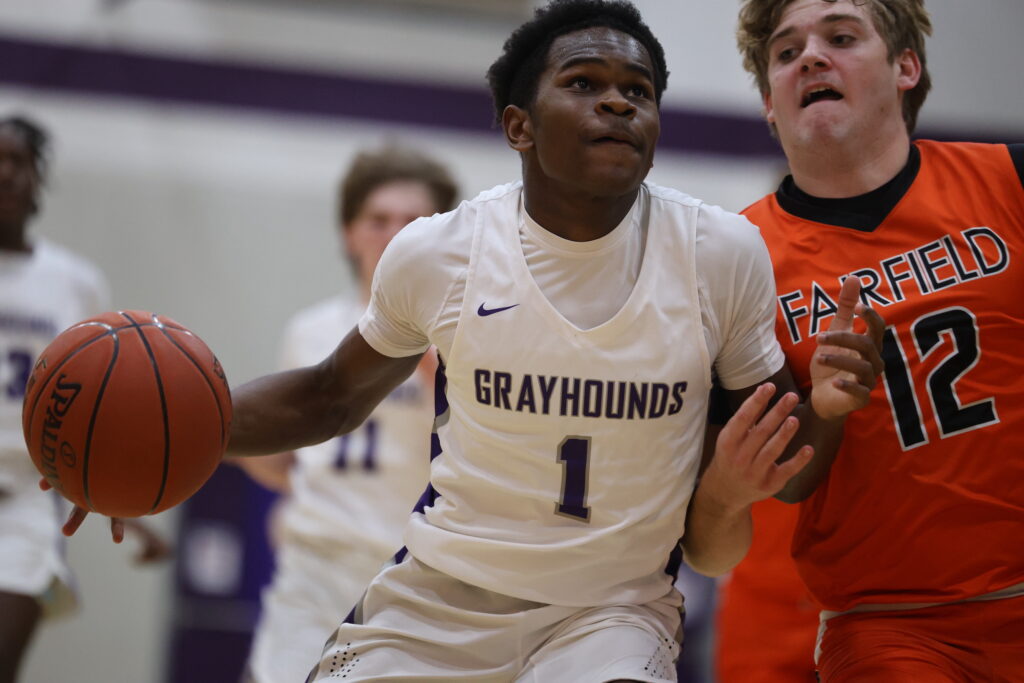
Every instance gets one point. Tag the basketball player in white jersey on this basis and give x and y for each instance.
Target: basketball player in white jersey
(44, 288)
(578, 315)
(350, 497)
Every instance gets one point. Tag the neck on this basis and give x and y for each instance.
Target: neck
(840, 169)
(578, 217)
(12, 237)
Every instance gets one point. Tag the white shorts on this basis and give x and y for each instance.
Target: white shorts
(311, 593)
(32, 548)
(418, 624)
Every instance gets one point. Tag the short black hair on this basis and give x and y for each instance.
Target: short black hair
(513, 76)
(36, 139)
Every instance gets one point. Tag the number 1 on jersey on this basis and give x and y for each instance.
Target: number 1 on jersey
(574, 454)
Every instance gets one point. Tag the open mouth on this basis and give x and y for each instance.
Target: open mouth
(819, 94)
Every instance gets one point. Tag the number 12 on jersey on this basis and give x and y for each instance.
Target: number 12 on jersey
(960, 328)
(574, 454)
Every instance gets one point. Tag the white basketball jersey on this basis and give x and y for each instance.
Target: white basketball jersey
(41, 294)
(357, 490)
(565, 457)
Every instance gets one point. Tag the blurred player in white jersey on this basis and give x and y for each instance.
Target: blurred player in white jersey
(44, 288)
(350, 497)
(578, 315)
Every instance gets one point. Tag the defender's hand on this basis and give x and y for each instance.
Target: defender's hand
(744, 468)
(846, 365)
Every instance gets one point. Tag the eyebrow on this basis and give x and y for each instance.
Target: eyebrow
(828, 19)
(632, 66)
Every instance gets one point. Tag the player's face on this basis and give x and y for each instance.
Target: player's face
(18, 179)
(388, 209)
(830, 77)
(594, 122)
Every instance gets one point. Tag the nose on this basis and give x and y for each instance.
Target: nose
(814, 56)
(614, 102)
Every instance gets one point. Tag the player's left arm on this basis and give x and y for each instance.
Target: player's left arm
(776, 445)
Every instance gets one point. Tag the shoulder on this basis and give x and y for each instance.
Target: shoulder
(720, 234)
(1003, 162)
(713, 222)
(60, 262)
(962, 153)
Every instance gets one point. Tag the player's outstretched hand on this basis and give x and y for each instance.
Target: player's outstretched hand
(78, 515)
(846, 365)
(744, 468)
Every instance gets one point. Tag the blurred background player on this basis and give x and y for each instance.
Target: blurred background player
(350, 497)
(43, 289)
(910, 541)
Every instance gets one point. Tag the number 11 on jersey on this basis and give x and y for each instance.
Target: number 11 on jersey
(574, 454)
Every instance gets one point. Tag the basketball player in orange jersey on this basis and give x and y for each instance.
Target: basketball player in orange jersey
(910, 541)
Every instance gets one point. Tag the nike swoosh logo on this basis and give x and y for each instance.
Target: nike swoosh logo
(491, 311)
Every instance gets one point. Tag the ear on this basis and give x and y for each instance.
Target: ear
(909, 70)
(518, 128)
(769, 112)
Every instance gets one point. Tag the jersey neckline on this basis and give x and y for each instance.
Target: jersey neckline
(640, 213)
(864, 212)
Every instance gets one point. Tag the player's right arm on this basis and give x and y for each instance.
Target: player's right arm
(295, 408)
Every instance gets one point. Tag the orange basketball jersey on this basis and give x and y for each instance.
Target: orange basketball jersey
(766, 624)
(925, 501)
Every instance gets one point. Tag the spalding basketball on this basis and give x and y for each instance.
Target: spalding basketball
(127, 413)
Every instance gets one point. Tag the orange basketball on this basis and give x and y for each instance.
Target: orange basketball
(127, 413)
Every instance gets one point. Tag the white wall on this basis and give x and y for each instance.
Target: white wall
(223, 220)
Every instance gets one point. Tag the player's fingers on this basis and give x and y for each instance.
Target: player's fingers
(876, 330)
(75, 520)
(789, 469)
(768, 426)
(859, 343)
(855, 365)
(117, 529)
(849, 296)
(774, 447)
(857, 390)
(746, 416)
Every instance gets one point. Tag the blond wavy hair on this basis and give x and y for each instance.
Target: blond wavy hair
(902, 24)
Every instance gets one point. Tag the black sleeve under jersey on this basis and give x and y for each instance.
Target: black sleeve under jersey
(719, 410)
(1017, 154)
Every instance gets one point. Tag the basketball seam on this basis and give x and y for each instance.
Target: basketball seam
(209, 382)
(92, 421)
(44, 382)
(163, 407)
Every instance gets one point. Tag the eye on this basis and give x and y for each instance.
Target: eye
(786, 55)
(580, 82)
(638, 91)
(842, 39)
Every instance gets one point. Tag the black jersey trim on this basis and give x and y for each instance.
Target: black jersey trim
(864, 212)
(1017, 154)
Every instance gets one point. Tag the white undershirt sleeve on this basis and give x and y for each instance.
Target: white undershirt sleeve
(741, 286)
(411, 300)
